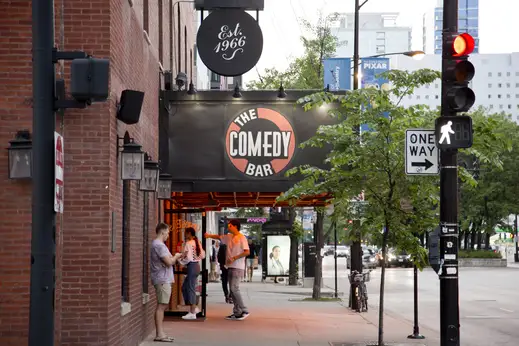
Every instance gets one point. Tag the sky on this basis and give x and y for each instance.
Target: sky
(498, 24)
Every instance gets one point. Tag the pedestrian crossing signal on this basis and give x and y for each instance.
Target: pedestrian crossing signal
(453, 132)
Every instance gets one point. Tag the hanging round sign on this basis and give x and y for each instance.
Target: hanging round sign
(260, 142)
(229, 42)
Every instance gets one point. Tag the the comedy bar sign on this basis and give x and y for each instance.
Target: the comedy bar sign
(260, 142)
(229, 42)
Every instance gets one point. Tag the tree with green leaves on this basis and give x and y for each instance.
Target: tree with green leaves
(491, 196)
(397, 207)
(306, 71)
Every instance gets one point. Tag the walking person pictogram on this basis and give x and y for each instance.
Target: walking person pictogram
(445, 130)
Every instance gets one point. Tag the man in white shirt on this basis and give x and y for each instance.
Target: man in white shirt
(237, 250)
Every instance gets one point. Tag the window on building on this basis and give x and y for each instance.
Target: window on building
(517, 96)
(507, 96)
(171, 48)
(380, 49)
(426, 97)
(381, 35)
(517, 85)
(500, 106)
(491, 106)
(145, 15)
(161, 32)
(489, 96)
(125, 267)
(191, 63)
(490, 85)
(499, 85)
(145, 243)
(215, 78)
(436, 97)
(498, 96)
(509, 106)
(508, 74)
(499, 74)
(490, 74)
(185, 49)
(417, 97)
(517, 74)
(436, 86)
(508, 85)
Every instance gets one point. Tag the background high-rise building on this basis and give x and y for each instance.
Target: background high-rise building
(468, 21)
(379, 34)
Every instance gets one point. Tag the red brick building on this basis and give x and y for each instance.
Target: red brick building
(140, 39)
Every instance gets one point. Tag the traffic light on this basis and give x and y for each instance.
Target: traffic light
(457, 73)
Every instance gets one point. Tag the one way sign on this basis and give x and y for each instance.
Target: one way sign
(421, 153)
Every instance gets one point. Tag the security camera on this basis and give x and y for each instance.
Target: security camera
(181, 80)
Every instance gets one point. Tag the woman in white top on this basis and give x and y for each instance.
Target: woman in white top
(191, 256)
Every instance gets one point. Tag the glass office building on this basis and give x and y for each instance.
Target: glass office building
(468, 21)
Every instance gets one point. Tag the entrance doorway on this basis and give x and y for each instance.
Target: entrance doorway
(191, 209)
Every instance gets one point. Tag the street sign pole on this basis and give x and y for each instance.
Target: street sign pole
(449, 233)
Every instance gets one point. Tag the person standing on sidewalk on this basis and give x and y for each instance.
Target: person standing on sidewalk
(221, 257)
(191, 256)
(161, 268)
(237, 250)
(251, 259)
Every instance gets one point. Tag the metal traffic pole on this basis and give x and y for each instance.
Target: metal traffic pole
(43, 247)
(449, 232)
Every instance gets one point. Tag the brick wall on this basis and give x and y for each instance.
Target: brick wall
(88, 292)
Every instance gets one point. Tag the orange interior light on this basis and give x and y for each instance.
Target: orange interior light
(463, 44)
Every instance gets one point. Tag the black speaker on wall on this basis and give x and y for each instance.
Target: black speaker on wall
(130, 105)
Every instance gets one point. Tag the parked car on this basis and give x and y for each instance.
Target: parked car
(368, 259)
(328, 250)
(401, 259)
(342, 251)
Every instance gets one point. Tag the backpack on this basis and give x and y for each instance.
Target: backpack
(222, 254)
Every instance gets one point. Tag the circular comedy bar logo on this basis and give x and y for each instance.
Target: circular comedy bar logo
(260, 142)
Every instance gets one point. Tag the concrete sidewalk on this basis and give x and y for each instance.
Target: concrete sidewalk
(279, 316)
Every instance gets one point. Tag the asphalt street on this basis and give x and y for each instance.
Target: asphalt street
(489, 304)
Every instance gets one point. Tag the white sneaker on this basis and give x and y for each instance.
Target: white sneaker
(197, 310)
(189, 316)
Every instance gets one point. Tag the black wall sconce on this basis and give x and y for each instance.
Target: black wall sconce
(150, 178)
(129, 107)
(165, 183)
(132, 158)
(281, 92)
(237, 92)
(191, 90)
(20, 156)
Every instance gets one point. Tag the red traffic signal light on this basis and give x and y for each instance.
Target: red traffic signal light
(462, 44)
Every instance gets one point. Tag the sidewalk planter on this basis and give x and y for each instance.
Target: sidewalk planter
(482, 262)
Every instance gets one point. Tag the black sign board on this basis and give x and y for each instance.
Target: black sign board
(309, 259)
(205, 148)
(453, 132)
(230, 42)
(434, 249)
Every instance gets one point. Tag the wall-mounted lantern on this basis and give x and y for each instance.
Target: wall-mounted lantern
(150, 179)
(132, 159)
(20, 156)
(165, 183)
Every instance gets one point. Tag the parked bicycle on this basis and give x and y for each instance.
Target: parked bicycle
(358, 280)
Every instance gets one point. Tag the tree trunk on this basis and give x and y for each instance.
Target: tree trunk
(466, 242)
(319, 235)
(472, 240)
(487, 241)
(294, 242)
(480, 234)
(382, 283)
